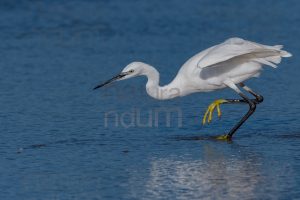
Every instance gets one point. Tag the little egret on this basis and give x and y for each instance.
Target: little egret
(227, 64)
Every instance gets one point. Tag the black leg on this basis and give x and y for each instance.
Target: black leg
(258, 98)
(245, 100)
(252, 107)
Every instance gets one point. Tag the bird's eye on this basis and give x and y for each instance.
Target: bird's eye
(131, 71)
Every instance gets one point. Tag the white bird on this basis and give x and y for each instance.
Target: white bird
(228, 64)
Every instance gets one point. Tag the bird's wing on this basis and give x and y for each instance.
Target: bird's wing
(239, 48)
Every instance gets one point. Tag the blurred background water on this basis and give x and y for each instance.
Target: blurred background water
(56, 144)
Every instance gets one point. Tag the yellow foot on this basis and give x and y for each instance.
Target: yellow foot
(208, 114)
(223, 137)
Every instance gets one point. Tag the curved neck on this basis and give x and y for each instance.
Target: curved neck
(154, 90)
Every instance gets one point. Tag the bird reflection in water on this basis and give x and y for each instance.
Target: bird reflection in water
(215, 176)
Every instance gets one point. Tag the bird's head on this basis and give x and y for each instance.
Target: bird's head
(132, 70)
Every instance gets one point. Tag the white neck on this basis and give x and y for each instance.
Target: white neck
(169, 91)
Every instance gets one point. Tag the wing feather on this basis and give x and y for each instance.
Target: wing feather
(237, 48)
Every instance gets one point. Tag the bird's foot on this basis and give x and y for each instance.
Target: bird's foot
(223, 137)
(214, 105)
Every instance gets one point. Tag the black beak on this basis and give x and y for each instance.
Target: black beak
(111, 80)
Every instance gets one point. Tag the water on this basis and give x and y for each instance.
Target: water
(56, 144)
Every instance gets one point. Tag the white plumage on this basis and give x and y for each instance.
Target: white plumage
(234, 60)
(227, 64)
(217, 67)
(236, 48)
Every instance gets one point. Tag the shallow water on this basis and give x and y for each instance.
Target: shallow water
(61, 140)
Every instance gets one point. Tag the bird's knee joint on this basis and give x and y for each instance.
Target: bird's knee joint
(260, 98)
(252, 106)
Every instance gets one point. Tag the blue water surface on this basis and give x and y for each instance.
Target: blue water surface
(62, 140)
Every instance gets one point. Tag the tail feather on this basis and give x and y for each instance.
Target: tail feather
(264, 61)
(274, 59)
(285, 54)
(278, 47)
(282, 52)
